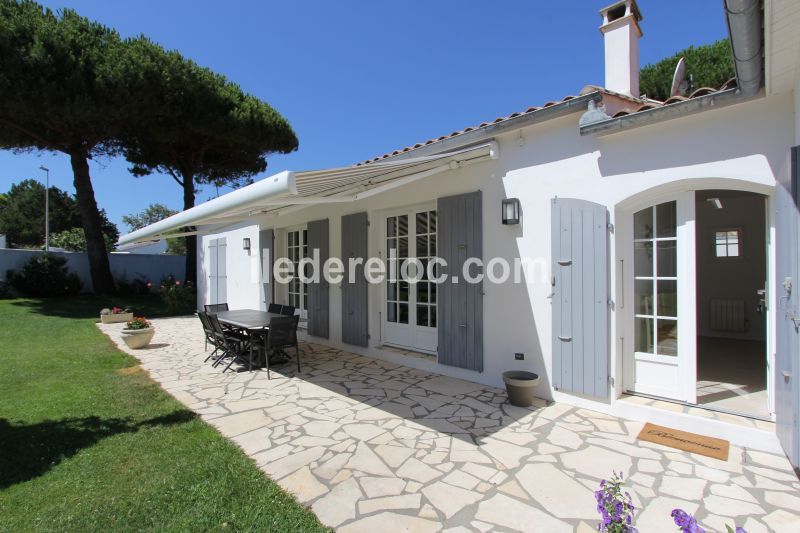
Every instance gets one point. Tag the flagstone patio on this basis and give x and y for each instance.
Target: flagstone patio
(368, 444)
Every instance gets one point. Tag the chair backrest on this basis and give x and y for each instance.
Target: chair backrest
(274, 308)
(216, 328)
(282, 332)
(204, 320)
(215, 308)
(287, 310)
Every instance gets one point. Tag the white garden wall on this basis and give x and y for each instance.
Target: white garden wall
(123, 266)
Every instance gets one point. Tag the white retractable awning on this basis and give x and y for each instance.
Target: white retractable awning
(294, 190)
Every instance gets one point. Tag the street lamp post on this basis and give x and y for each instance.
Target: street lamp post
(46, 209)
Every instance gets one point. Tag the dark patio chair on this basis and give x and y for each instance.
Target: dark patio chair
(274, 308)
(288, 310)
(232, 345)
(216, 308)
(208, 331)
(282, 333)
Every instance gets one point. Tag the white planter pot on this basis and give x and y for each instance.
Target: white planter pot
(113, 319)
(138, 338)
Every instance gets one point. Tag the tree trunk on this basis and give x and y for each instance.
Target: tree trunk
(99, 267)
(191, 242)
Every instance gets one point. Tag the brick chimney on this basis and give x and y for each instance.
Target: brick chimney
(621, 33)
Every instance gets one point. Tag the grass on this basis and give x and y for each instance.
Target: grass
(88, 442)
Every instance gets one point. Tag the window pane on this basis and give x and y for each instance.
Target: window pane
(644, 297)
(432, 292)
(666, 219)
(305, 300)
(291, 238)
(643, 224)
(432, 317)
(422, 315)
(733, 236)
(643, 341)
(391, 291)
(422, 246)
(423, 267)
(402, 247)
(391, 312)
(722, 250)
(403, 293)
(305, 236)
(422, 292)
(667, 259)
(432, 219)
(402, 316)
(391, 227)
(422, 222)
(432, 250)
(667, 298)
(733, 250)
(668, 337)
(643, 259)
(402, 225)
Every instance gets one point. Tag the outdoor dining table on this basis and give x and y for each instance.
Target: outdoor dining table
(249, 320)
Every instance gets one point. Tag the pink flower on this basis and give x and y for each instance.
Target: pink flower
(177, 282)
(149, 285)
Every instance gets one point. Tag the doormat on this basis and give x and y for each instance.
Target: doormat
(688, 442)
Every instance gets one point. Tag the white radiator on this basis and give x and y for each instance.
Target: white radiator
(727, 314)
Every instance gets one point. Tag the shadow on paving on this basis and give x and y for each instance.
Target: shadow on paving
(373, 382)
(31, 450)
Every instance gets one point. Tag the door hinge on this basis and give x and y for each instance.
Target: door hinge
(369, 336)
(367, 223)
(611, 380)
(610, 227)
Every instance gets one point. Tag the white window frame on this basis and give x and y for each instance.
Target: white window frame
(727, 244)
(302, 246)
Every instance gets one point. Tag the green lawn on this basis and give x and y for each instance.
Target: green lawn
(88, 442)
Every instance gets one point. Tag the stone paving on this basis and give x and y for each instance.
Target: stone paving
(369, 445)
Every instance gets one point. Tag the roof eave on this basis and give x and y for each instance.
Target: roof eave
(668, 112)
(561, 109)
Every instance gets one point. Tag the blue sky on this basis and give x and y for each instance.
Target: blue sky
(358, 78)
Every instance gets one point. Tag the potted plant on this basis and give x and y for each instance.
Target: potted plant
(138, 333)
(519, 387)
(115, 314)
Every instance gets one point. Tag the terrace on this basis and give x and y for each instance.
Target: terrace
(364, 442)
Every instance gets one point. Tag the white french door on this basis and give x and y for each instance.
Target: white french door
(297, 249)
(659, 275)
(410, 305)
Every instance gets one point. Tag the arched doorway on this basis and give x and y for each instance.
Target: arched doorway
(694, 266)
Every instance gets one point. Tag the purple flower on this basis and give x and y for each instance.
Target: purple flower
(686, 522)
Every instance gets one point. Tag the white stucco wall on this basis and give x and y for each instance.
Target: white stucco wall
(742, 146)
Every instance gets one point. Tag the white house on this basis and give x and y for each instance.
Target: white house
(662, 241)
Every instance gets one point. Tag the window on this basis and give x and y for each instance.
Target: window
(655, 271)
(726, 243)
(297, 248)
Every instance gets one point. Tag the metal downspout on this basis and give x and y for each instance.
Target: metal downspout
(744, 30)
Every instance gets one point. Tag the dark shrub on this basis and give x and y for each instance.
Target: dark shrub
(44, 276)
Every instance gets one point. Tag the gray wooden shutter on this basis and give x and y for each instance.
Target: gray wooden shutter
(460, 304)
(787, 268)
(213, 252)
(318, 298)
(222, 271)
(265, 242)
(355, 322)
(580, 297)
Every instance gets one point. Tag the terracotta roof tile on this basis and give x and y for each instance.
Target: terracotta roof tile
(637, 105)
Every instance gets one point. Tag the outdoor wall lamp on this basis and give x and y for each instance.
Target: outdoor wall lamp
(511, 211)
(246, 244)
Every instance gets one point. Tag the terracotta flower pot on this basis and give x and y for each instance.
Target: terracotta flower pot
(114, 318)
(138, 338)
(519, 386)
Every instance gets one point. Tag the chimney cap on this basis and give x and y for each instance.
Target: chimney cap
(620, 9)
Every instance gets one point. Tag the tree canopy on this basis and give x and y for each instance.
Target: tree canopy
(198, 127)
(63, 90)
(710, 65)
(150, 215)
(22, 218)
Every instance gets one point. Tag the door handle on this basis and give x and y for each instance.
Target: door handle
(462, 325)
(564, 262)
(565, 339)
(786, 375)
